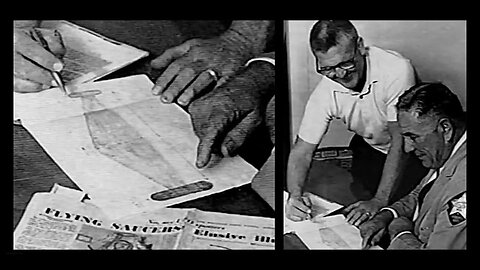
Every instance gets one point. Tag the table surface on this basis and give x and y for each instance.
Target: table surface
(35, 171)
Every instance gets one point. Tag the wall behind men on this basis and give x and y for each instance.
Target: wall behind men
(437, 50)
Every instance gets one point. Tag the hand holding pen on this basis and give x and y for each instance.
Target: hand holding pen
(37, 59)
(298, 208)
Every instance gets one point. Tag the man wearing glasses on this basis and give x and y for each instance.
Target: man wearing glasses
(361, 86)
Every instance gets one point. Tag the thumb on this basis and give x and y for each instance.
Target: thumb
(173, 53)
(306, 200)
(238, 135)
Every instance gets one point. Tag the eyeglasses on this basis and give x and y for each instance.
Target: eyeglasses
(345, 65)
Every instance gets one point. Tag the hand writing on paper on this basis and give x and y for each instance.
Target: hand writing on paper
(37, 52)
(298, 208)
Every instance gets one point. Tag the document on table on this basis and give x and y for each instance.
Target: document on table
(62, 220)
(89, 55)
(321, 232)
(120, 144)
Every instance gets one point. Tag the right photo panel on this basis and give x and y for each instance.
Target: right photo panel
(377, 135)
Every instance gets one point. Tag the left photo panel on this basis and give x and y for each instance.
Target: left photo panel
(144, 134)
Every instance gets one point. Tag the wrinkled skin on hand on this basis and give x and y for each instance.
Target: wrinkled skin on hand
(399, 224)
(32, 62)
(186, 66)
(225, 118)
(298, 208)
(357, 212)
(373, 230)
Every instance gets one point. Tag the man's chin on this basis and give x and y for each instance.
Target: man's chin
(348, 82)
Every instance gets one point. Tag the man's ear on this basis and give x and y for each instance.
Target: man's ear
(361, 46)
(446, 128)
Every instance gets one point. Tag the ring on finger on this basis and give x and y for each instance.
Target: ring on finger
(368, 214)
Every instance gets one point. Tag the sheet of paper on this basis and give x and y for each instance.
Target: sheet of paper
(321, 232)
(89, 55)
(320, 207)
(122, 145)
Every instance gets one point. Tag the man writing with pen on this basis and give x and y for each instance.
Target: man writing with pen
(240, 63)
(37, 56)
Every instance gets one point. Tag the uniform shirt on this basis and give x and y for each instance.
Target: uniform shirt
(367, 112)
(440, 222)
(433, 176)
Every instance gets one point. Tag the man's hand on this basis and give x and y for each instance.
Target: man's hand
(361, 211)
(225, 118)
(194, 65)
(37, 52)
(399, 225)
(298, 208)
(374, 229)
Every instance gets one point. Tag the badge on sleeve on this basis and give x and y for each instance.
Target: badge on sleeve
(457, 209)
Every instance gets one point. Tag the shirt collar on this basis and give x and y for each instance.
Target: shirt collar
(455, 149)
(370, 80)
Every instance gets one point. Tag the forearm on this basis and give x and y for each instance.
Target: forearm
(394, 165)
(297, 171)
(256, 83)
(251, 36)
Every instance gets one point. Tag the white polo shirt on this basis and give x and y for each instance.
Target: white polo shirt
(366, 113)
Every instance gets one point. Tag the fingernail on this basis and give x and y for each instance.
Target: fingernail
(58, 67)
(54, 83)
(309, 211)
(182, 102)
(225, 151)
(165, 99)
(156, 90)
(199, 164)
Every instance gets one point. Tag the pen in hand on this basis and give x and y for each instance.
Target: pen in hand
(55, 73)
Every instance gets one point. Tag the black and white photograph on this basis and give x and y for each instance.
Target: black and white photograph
(226, 134)
(144, 134)
(378, 135)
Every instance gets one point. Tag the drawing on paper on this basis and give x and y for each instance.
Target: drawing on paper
(333, 239)
(113, 137)
(78, 64)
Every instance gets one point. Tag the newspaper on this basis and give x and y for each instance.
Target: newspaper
(57, 220)
(321, 232)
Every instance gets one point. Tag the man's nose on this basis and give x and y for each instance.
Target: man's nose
(408, 146)
(340, 72)
(336, 73)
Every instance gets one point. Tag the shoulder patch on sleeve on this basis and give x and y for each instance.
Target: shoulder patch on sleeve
(457, 209)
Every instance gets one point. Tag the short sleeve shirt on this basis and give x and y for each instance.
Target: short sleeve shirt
(366, 113)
